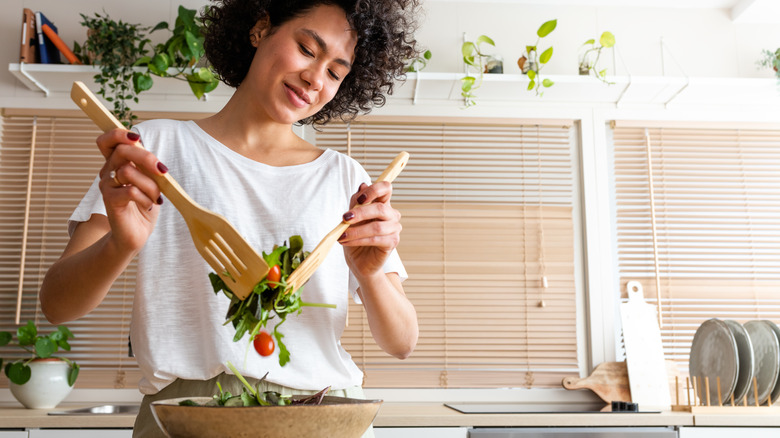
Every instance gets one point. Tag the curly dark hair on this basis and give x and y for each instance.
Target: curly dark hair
(385, 43)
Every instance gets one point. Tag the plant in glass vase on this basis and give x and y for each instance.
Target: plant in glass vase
(474, 56)
(591, 53)
(771, 60)
(531, 65)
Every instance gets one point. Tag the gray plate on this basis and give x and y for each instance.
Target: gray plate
(714, 354)
(746, 360)
(776, 391)
(766, 350)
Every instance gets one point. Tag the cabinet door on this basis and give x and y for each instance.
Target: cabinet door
(421, 432)
(13, 434)
(729, 432)
(80, 433)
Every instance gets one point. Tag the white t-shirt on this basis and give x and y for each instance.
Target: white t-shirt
(177, 326)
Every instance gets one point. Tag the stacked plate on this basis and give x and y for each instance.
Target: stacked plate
(733, 361)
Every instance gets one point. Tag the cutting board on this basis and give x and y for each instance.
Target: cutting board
(647, 375)
(609, 380)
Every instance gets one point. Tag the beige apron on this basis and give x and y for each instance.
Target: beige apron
(146, 426)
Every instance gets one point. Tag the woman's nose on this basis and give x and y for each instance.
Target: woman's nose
(314, 77)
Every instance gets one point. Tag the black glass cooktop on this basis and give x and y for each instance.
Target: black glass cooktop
(533, 408)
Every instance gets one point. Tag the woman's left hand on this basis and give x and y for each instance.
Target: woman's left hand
(374, 231)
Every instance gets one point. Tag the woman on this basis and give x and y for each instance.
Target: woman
(308, 61)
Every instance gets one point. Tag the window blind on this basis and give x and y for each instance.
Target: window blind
(51, 158)
(488, 242)
(716, 193)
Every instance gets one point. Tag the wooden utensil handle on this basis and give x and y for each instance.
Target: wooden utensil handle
(106, 121)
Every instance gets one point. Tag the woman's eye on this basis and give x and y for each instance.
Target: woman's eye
(305, 50)
(334, 75)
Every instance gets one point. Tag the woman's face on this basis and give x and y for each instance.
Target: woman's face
(299, 67)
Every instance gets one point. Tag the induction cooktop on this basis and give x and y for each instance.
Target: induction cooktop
(534, 408)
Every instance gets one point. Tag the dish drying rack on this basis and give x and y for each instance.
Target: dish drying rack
(697, 403)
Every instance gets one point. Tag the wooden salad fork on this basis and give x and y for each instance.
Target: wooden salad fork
(305, 270)
(220, 244)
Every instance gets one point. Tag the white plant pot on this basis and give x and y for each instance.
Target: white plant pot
(47, 387)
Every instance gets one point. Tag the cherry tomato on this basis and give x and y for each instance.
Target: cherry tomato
(274, 275)
(264, 343)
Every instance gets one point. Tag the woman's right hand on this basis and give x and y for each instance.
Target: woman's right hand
(129, 194)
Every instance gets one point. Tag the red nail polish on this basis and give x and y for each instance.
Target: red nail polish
(133, 136)
(161, 167)
(349, 216)
(361, 199)
(159, 200)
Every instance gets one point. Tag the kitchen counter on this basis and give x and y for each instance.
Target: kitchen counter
(396, 414)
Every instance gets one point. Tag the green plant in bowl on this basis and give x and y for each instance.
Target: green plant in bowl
(39, 346)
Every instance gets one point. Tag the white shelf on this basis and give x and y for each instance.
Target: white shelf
(655, 91)
(54, 81)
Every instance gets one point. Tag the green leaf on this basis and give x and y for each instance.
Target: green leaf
(485, 39)
(467, 49)
(27, 333)
(529, 49)
(284, 353)
(73, 373)
(5, 338)
(18, 373)
(531, 74)
(547, 83)
(603, 73)
(590, 41)
(159, 26)
(194, 44)
(531, 85)
(607, 39)
(142, 81)
(545, 56)
(467, 83)
(546, 28)
(44, 347)
(427, 55)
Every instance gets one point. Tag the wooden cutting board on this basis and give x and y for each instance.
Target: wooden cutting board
(609, 380)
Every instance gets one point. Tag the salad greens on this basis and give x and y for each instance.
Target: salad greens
(251, 396)
(268, 300)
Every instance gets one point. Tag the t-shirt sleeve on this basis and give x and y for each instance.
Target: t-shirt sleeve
(393, 262)
(91, 203)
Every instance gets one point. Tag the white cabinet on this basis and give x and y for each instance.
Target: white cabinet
(729, 432)
(78, 433)
(13, 434)
(421, 432)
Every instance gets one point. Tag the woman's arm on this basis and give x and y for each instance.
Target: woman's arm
(101, 248)
(374, 233)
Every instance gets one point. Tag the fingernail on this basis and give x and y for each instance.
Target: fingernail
(133, 136)
(161, 167)
(343, 236)
(159, 200)
(348, 216)
(150, 208)
(361, 199)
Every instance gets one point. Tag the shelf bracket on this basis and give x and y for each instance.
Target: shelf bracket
(628, 72)
(416, 87)
(33, 80)
(687, 78)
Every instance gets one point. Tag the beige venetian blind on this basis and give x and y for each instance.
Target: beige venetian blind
(488, 242)
(716, 193)
(54, 177)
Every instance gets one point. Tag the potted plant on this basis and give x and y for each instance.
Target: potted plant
(475, 57)
(42, 380)
(589, 57)
(771, 60)
(183, 52)
(114, 46)
(531, 66)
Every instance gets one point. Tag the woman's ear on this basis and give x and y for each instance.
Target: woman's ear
(259, 30)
